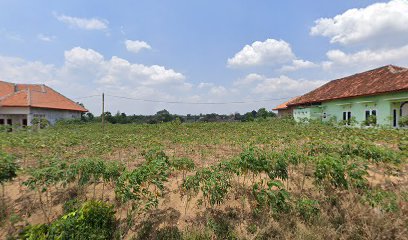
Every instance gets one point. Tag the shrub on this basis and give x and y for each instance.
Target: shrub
(308, 209)
(94, 220)
(403, 121)
(8, 168)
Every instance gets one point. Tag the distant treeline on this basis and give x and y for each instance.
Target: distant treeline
(166, 116)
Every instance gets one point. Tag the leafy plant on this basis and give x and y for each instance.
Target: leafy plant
(273, 197)
(308, 209)
(332, 171)
(94, 220)
(8, 169)
(184, 165)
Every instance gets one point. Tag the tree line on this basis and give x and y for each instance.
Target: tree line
(166, 116)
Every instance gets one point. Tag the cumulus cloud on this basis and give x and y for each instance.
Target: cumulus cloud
(282, 86)
(136, 46)
(298, 64)
(379, 24)
(86, 71)
(248, 79)
(83, 23)
(366, 59)
(118, 70)
(269, 52)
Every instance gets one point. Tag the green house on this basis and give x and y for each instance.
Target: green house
(375, 97)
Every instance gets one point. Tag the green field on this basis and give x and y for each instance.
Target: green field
(273, 179)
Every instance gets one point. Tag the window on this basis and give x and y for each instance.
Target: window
(24, 122)
(370, 116)
(1, 121)
(9, 122)
(367, 114)
(347, 117)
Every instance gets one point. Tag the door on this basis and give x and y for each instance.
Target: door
(394, 118)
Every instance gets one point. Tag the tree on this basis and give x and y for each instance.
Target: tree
(262, 113)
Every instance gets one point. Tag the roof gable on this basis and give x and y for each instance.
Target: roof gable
(377, 81)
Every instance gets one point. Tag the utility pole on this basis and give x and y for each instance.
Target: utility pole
(103, 112)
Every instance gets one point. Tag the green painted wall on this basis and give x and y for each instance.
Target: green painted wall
(382, 104)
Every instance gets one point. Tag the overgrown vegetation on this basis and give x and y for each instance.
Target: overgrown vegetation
(252, 180)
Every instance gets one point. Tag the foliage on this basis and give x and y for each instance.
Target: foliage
(403, 121)
(136, 185)
(273, 197)
(94, 220)
(385, 200)
(8, 167)
(308, 209)
(332, 171)
(213, 182)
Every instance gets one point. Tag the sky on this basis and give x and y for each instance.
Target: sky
(242, 55)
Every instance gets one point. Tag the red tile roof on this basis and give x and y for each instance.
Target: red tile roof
(377, 81)
(35, 95)
(285, 104)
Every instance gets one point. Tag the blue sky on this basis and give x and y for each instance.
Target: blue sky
(196, 51)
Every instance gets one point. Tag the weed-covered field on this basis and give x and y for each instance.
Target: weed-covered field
(257, 180)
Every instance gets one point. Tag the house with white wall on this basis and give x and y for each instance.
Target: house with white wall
(21, 103)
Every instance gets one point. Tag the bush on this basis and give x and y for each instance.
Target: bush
(403, 121)
(94, 220)
(308, 209)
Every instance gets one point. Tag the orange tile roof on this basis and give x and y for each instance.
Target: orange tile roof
(35, 95)
(285, 104)
(377, 81)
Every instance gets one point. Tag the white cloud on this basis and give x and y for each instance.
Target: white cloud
(380, 24)
(218, 90)
(298, 64)
(87, 72)
(282, 86)
(46, 38)
(83, 23)
(136, 46)
(269, 52)
(366, 59)
(248, 79)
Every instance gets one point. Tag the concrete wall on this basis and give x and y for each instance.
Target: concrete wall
(53, 115)
(382, 104)
(309, 112)
(17, 114)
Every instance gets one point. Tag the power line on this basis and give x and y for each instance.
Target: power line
(197, 103)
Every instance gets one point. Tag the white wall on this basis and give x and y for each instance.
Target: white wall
(17, 114)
